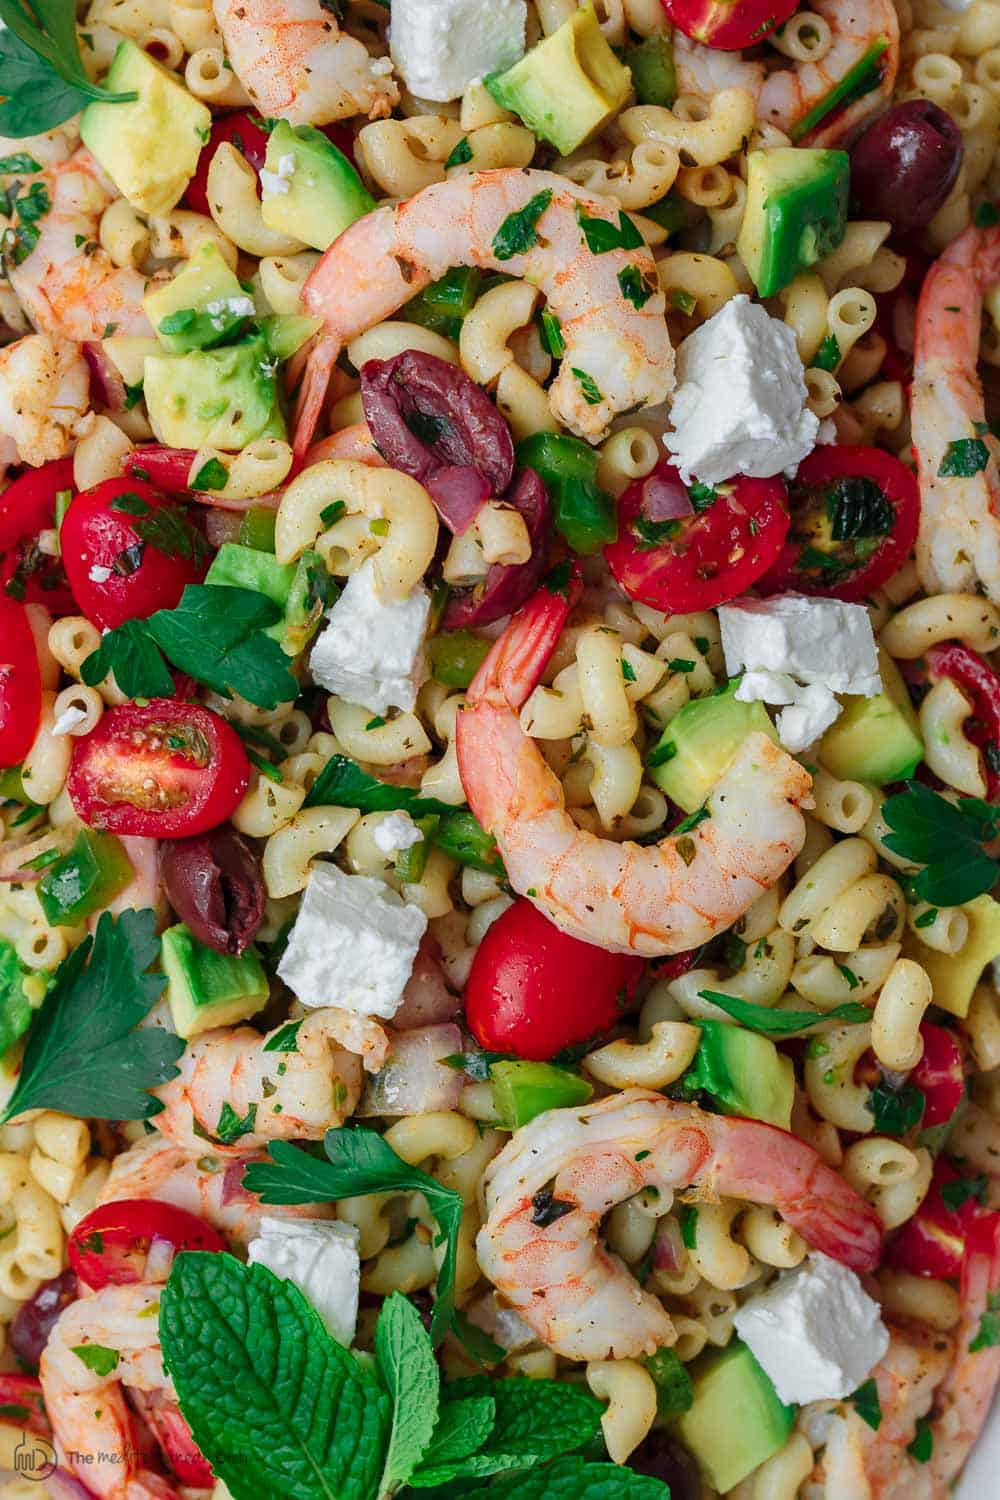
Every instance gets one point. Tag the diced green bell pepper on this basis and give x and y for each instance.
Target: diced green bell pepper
(456, 656)
(522, 1090)
(411, 863)
(85, 879)
(654, 77)
(257, 529)
(21, 991)
(583, 513)
(444, 305)
(856, 82)
(462, 837)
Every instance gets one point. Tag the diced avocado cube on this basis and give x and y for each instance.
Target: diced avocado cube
(735, 1421)
(875, 739)
(568, 86)
(203, 305)
(285, 333)
(217, 398)
(700, 741)
(127, 352)
(744, 1072)
(150, 146)
(651, 63)
(522, 1090)
(206, 989)
(309, 189)
(796, 212)
(84, 879)
(246, 568)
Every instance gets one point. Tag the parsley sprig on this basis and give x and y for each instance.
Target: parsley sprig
(783, 1022)
(945, 837)
(44, 80)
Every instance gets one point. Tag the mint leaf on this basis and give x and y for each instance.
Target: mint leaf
(82, 1056)
(783, 1022)
(360, 1162)
(128, 652)
(922, 1446)
(534, 1420)
(216, 635)
(96, 1357)
(230, 1127)
(575, 1479)
(601, 235)
(964, 457)
(462, 1427)
(274, 1403)
(634, 286)
(517, 233)
(460, 154)
(409, 1373)
(285, 1040)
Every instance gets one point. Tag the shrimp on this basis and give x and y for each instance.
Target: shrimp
(665, 898)
(296, 63)
(91, 1420)
(786, 95)
(277, 1095)
(926, 1375)
(67, 284)
(958, 546)
(44, 393)
(354, 442)
(554, 1271)
(618, 353)
(203, 1184)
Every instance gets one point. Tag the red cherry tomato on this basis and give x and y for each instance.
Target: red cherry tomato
(855, 513)
(725, 25)
(982, 685)
(167, 468)
(160, 770)
(27, 507)
(933, 1242)
(109, 1246)
(242, 130)
(20, 683)
(696, 561)
(129, 551)
(534, 990)
(939, 1075)
(23, 1405)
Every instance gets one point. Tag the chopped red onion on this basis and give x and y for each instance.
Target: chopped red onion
(665, 500)
(427, 1000)
(106, 383)
(414, 1080)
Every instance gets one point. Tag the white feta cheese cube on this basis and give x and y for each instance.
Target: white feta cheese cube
(352, 944)
(440, 46)
(811, 715)
(815, 1332)
(321, 1257)
(740, 402)
(68, 720)
(372, 651)
(395, 831)
(811, 640)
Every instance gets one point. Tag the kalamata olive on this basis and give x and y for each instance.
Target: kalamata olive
(661, 1457)
(29, 1332)
(214, 885)
(905, 165)
(507, 585)
(430, 420)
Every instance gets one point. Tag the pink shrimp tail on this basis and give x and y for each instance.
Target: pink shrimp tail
(319, 368)
(515, 665)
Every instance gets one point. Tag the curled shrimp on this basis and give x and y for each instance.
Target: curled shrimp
(958, 547)
(618, 354)
(554, 1271)
(277, 1095)
(44, 393)
(296, 63)
(784, 96)
(67, 284)
(92, 1422)
(926, 1375)
(664, 898)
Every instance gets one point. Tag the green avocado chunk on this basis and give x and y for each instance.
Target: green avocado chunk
(202, 306)
(744, 1072)
(875, 739)
(217, 398)
(207, 989)
(796, 212)
(310, 190)
(700, 741)
(736, 1420)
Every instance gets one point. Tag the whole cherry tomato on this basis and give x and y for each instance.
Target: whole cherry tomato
(166, 468)
(129, 551)
(240, 129)
(725, 25)
(855, 513)
(20, 683)
(27, 508)
(979, 681)
(534, 990)
(939, 1075)
(933, 1242)
(159, 770)
(110, 1245)
(699, 560)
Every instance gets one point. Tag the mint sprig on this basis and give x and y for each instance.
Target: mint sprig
(44, 80)
(409, 1372)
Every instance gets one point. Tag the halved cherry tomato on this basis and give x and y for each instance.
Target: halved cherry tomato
(726, 25)
(129, 551)
(933, 1242)
(240, 129)
(980, 683)
(109, 1246)
(939, 1075)
(20, 683)
(167, 468)
(27, 507)
(159, 770)
(855, 513)
(534, 990)
(701, 560)
(23, 1405)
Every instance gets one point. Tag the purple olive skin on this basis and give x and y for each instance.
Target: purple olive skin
(29, 1332)
(661, 1457)
(213, 883)
(507, 585)
(905, 164)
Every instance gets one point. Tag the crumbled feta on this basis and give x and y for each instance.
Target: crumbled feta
(272, 184)
(352, 944)
(827, 432)
(371, 652)
(321, 1257)
(239, 307)
(99, 574)
(68, 720)
(812, 640)
(440, 46)
(815, 1332)
(811, 715)
(395, 831)
(740, 402)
